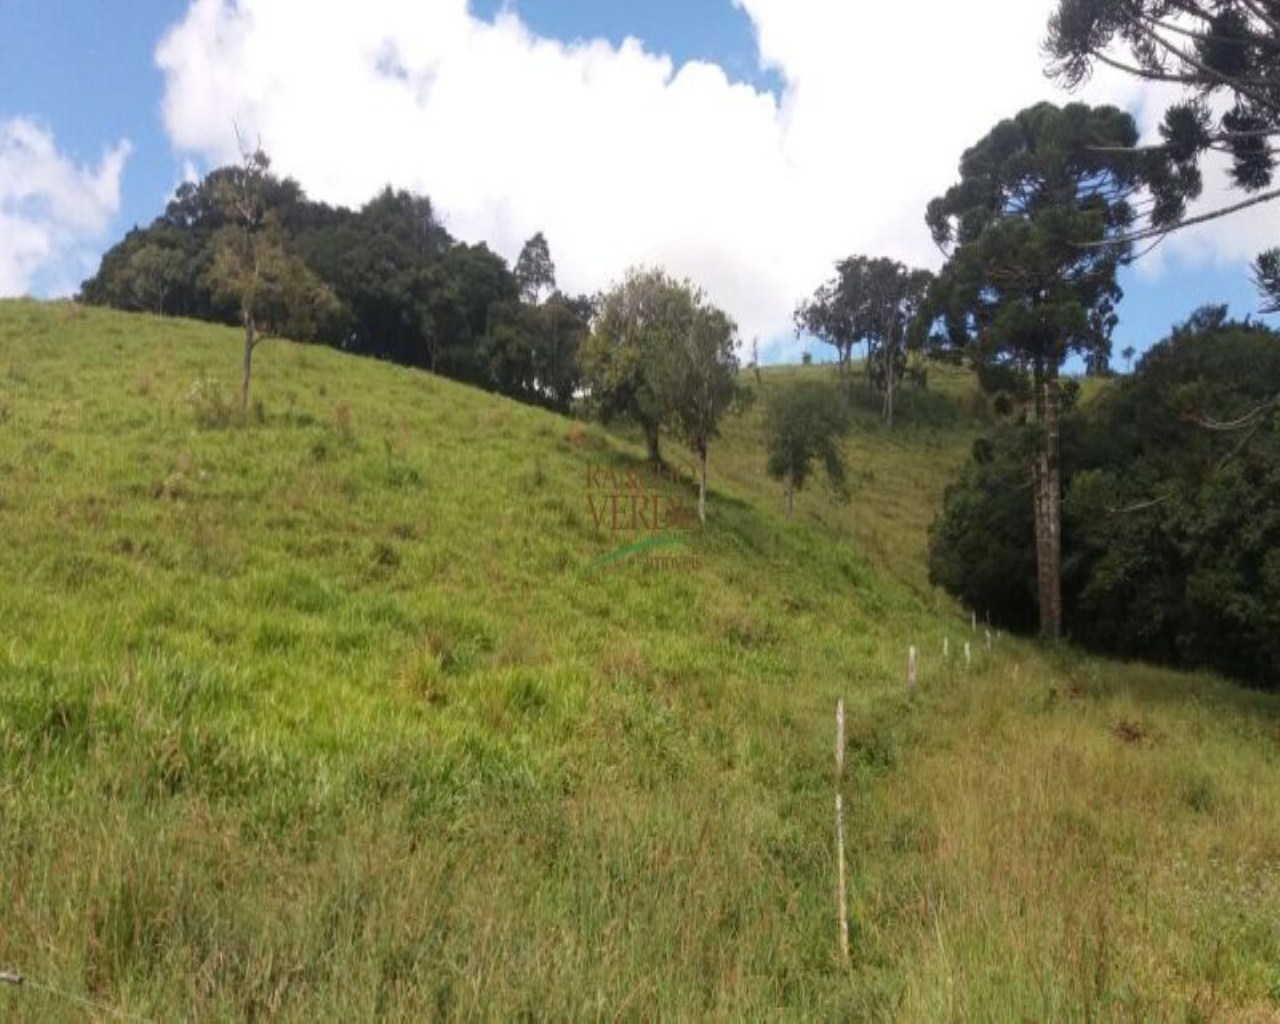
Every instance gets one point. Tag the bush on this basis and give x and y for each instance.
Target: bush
(209, 404)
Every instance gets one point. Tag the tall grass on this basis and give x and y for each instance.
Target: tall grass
(334, 714)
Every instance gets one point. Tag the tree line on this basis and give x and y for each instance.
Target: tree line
(245, 247)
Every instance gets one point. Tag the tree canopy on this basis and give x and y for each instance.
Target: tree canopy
(535, 272)
(1171, 515)
(871, 300)
(804, 422)
(638, 322)
(699, 381)
(1035, 232)
(1226, 56)
(386, 280)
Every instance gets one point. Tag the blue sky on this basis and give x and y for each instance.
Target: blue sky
(710, 30)
(752, 182)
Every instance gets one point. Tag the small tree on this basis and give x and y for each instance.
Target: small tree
(832, 315)
(637, 322)
(251, 267)
(1127, 353)
(893, 302)
(804, 421)
(699, 381)
(1035, 231)
(151, 274)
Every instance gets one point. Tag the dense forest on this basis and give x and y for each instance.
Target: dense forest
(1171, 512)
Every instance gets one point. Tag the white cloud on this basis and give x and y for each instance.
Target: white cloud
(615, 153)
(49, 206)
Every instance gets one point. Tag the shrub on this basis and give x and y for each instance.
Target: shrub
(209, 404)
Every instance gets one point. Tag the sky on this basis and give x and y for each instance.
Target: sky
(746, 144)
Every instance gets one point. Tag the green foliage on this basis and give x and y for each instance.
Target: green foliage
(1035, 232)
(1177, 519)
(699, 374)
(1266, 276)
(533, 353)
(982, 545)
(1024, 282)
(873, 301)
(386, 280)
(1223, 47)
(535, 272)
(283, 296)
(804, 422)
(1223, 53)
(639, 323)
(661, 356)
(1170, 523)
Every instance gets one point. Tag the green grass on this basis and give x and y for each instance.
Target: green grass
(341, 713)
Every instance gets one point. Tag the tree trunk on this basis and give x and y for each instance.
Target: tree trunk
(791, 492)
(702, 484)
(1053, 450)
(1047, 481)
(250, 340)
(651, 443)
(886, 362)
(888, 387)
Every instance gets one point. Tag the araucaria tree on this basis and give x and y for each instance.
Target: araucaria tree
(252, 267)
(1226, 55)
(804, 421)
(1034, 232)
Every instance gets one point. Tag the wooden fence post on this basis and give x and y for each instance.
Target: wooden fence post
(842, 912)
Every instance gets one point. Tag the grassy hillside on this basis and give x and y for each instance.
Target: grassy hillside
(343, 713)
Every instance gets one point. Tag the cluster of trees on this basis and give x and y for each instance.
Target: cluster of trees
(245, 247)
(871, 301)
(1171, 522)
(1168, 543)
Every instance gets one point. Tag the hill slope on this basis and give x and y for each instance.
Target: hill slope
(352, 711)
